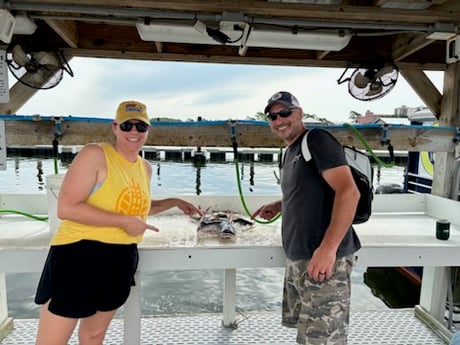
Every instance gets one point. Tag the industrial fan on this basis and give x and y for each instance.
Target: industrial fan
(367, 84)
(38, 70)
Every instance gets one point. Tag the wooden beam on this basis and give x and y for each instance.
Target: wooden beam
(272, 9)
(236, 59)
(19, 95)
(66, 29)
(450, 115)
(322, 55)
(218, 134)
(450, 5)
(406, 45)
(424, 88)
(445, 162)
(159, 47)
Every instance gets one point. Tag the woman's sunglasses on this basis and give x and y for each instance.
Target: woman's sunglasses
(141, 127)
(282, 113)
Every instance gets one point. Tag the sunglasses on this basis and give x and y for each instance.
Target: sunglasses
(141, 127)
(282, 113)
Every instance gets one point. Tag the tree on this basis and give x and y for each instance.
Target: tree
(354, 116)
(316, 118)
(261, 117)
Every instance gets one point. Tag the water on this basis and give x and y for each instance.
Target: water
(27, 175)
(192, 291)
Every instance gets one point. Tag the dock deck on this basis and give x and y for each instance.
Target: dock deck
(379, 327)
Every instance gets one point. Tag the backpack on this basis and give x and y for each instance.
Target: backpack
(362, 172)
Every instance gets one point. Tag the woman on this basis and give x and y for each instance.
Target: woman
(103, 202)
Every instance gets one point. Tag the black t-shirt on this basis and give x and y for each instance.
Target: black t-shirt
(307, 198)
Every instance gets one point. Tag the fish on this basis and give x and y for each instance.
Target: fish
(223, 225)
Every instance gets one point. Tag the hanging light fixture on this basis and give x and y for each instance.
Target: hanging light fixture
(24, 25)
(199, 33)
(7, 23)
(312, 40)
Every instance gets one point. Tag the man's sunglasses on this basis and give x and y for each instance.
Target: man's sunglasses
(282, 113)
(141, 127)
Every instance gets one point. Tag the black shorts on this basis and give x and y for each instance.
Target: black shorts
(87, 276)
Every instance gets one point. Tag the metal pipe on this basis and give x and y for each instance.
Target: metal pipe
(342, 25)
(106, 12)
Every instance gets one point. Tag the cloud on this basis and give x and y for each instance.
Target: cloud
(214, 91)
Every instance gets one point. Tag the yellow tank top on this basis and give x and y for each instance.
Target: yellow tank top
(125, 190)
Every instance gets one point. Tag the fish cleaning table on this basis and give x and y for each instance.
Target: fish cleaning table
(401, 232)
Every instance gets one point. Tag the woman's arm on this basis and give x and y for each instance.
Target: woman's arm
(87, 169)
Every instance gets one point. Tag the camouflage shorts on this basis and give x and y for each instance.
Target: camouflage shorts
(319, 310)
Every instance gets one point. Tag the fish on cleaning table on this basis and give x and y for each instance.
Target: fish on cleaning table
(223, 225)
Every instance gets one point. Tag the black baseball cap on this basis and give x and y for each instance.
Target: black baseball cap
(283, 97)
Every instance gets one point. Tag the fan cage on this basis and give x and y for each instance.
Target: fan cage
(386, 81)
(39, 76)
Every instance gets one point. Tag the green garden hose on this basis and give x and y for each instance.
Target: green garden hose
(240, 191)
(25, 214)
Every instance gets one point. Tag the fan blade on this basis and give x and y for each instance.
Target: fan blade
(384, 70)
(34, 79)
(361, 81)
(374, 89)
(47, 59)
(38, 78)
(20, 56)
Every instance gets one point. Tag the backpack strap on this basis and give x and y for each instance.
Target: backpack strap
(304, 146)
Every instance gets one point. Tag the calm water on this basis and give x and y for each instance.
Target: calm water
(197, 291)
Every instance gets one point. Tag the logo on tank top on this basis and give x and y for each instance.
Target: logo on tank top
(133, 200)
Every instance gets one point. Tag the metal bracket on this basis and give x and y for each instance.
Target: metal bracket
(384, 137)
(58, 127)
(233, 130)
(233, 137)
(384, 140)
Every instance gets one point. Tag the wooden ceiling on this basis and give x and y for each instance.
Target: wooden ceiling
(381, 31)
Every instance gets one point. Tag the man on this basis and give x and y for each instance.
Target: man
(319, 200)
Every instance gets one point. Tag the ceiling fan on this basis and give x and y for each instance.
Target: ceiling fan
(370, 83)
(36, 69)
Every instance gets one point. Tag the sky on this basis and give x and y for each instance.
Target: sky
(213, 91)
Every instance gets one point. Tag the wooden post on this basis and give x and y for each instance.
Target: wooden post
(229, 298)
(450, 116)
(434, 282)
